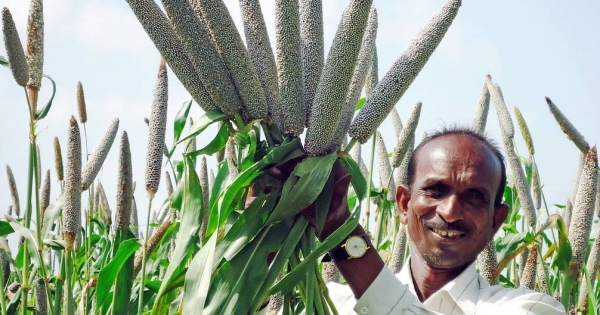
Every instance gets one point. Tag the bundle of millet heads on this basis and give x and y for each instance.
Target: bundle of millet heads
(295, 87)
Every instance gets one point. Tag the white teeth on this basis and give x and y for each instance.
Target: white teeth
(445, 234)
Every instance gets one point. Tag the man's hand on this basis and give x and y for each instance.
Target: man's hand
(338, 208)
(359, 273)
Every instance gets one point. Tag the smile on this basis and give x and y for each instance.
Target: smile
(447, 234)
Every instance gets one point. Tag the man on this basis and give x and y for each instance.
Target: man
(452, 207)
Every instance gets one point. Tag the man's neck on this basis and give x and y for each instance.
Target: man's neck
(428, 280)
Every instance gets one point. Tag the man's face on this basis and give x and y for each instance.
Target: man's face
(449, 209)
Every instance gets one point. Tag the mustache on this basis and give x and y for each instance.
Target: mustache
(438, 223)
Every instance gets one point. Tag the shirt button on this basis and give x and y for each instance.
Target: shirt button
(364, 310)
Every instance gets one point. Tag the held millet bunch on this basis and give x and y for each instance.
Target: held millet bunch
(200, 43)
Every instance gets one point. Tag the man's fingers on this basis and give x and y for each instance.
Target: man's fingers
(283, 171)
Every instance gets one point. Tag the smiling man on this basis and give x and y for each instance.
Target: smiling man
(452, 207)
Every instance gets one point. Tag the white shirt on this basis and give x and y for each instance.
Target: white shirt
(468, 294)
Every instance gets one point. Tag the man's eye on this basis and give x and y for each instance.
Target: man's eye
(476, 196)
(434, 191)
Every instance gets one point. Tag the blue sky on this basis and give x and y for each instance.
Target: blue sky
(531, 49)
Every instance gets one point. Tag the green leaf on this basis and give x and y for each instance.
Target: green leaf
(40, 114)
(297, 274)
(248, 153)
(217, 189)
(360, 103)
(109, 273)
(218, 143)
(50, 216)
(30, 236)
(323, 202)
(304, 186)
(273, 130)
(247, 176)
(197, 279)
(5, 228)
(3, 61)
(358, 181)
(55, 244)
(287, 248)
(191, 218)
(180, 119)
(238, 280)
(246, 227)
(124, 281)
(564, 252)
(509, 243)
(593, 306)
(203, 122)
(178, 282)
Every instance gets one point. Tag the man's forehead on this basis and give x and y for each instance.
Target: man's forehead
(457, 148)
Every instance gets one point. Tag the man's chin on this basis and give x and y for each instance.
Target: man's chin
(445, 261)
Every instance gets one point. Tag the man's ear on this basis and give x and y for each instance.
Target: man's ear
(402, 199)
(500, 214)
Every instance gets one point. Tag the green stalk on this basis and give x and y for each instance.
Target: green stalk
(143, 271)
(87, 153)
(286, 304)
(318, 284)
(30, 178)
(69, 307)
(294, 262)
(174, 173)
(379, 231)
(59, 286)
(568, 281)
(307, 245)
(88, 223)
(88, 242)
(350, 145)
(543, 197)
(267, 134)
(2, 300)
(38, 215)
(25, 285)
(369, 180)
(239, 122)
(300, 224)
(326, 296)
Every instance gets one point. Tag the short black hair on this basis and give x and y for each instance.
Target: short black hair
(468, 132)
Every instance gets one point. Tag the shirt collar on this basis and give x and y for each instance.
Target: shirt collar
(464, 289)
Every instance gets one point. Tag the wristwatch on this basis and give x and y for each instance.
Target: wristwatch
(354, 247)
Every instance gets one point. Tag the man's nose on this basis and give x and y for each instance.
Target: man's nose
(450, 209)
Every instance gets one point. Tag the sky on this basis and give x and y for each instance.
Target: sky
(532, 49)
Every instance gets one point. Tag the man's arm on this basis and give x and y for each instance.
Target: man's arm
(358, 273)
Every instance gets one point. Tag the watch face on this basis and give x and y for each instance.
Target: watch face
(356, 247)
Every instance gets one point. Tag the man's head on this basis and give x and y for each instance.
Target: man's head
(468, 132)
(452, 204)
